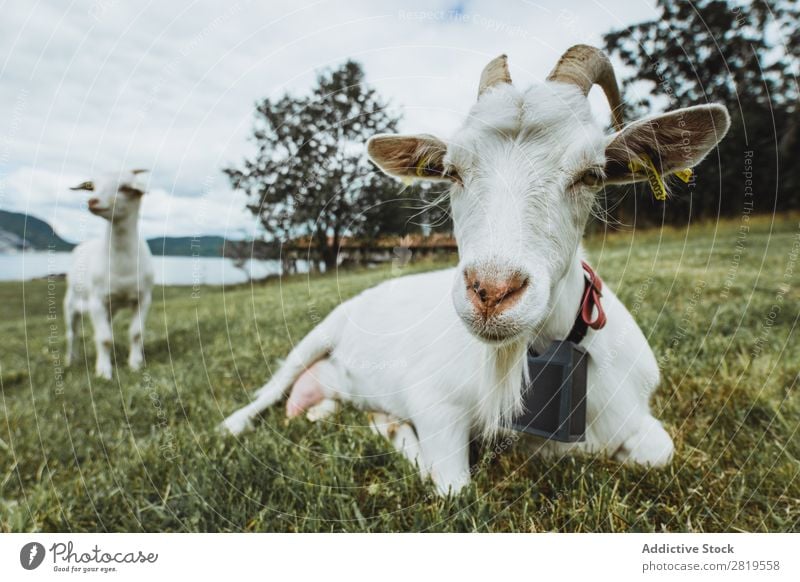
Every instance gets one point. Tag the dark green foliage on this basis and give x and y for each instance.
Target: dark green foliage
(310, 176)
(725, 52)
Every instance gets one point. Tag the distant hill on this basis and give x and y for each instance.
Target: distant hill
(187, 246)
(20, 231)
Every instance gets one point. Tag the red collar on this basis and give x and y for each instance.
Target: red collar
(592, 292)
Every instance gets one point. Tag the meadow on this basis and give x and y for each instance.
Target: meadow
(718, 301)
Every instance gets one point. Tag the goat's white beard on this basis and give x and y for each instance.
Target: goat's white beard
(503, 371)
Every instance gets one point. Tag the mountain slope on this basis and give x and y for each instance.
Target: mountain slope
(187, 246)
(20, 231)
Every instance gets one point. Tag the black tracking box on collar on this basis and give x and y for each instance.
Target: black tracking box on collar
(555, 397)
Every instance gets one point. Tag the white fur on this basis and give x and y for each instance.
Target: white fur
(111, 273)
(415, 349)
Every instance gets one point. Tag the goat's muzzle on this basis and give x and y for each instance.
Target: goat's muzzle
(94, 206)
(491, 296)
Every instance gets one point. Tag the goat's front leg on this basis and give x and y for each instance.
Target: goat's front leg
(101, 322)
(650, 445)
(136, 332)
(402, 435)
(71, 317)
(444, 444)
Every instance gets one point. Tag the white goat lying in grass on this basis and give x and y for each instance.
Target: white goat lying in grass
(525, 169)
(113, 272)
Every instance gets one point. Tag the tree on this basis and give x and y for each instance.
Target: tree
(238, 252)
(728, 52)
(241, 252)
(418, 208)
(310, 176)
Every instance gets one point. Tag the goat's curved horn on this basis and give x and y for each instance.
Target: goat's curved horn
(494, 73)
(584, 66)
(138, 171)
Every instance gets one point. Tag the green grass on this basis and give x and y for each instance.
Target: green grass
(140, 452)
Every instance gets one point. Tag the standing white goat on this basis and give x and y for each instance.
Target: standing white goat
(525, 169)
(113, 272)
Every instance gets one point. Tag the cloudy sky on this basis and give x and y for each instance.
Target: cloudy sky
(88, 86)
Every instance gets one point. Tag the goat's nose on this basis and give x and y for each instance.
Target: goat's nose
(490, 295)
(93, 202)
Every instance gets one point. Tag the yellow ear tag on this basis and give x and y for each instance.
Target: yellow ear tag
(421, 165)
(684, 175)
(653, 177)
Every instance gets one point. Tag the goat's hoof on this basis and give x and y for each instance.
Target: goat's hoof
(650, 446)
(135, 364)
(449, 489)
(322, 410)
(104, 373)
(235, 425)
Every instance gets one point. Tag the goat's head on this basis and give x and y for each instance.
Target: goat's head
(115, 197)
(525, 169)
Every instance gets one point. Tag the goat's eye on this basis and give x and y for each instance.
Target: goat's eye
(591, 178)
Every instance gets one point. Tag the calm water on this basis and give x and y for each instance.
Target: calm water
(169, 270)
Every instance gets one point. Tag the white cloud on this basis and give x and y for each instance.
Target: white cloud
(104, 84)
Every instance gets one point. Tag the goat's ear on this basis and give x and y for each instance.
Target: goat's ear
(134, 190)
(410, 156)
(673, 141)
